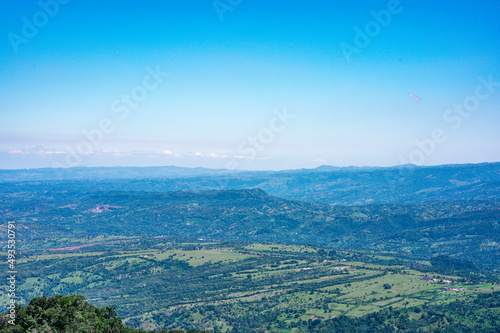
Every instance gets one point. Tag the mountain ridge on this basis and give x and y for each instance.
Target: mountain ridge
(468, 229)
(340, 187)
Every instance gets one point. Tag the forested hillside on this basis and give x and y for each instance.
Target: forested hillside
(327, 185)
(66, 314)
(466, 229)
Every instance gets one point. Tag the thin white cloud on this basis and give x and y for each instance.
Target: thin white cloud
(50, 152)
(170, 153)
(17, 152)
(213, 155)
(245, 157)
(109, 151)
(36, 152)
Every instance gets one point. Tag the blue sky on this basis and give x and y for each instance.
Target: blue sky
(250, 84)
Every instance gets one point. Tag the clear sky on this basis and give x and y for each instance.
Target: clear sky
(249, 84)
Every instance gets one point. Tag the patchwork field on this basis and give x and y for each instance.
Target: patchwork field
(156, 283)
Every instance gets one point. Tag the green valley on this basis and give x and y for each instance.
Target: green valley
(161, 283)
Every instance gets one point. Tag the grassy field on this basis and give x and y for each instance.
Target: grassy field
(164, 284)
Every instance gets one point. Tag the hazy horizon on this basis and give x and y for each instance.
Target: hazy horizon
(241, 169)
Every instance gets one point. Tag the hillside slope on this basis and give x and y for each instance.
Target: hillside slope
(70, 313)
(468, 229)
(327, 185)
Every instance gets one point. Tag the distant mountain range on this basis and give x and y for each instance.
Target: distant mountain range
(96, 173)
(325, 184)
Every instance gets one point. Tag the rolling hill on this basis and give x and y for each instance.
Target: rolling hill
(467, 229)
(327, 185)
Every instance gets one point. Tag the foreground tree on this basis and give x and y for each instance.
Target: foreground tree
(64, 314)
